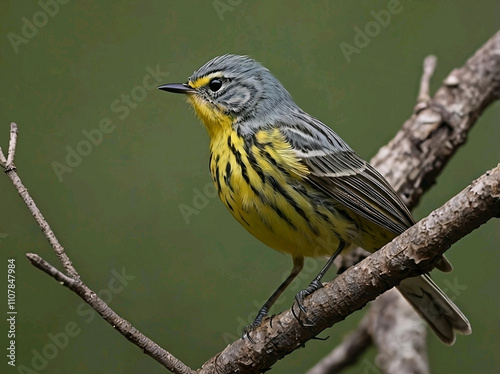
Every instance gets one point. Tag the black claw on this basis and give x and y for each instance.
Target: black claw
(315, 285)
(248, 329)
(307, 323)
(299, 298)
(271, 321)
(256, 323)
(247, 334)
(296, 317)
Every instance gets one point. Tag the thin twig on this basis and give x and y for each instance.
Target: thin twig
(12, 146)
(121, 325)
(44, 226)
(72, 278)
(3, 160)
(43, 265)
(7, 162)
(429, 67)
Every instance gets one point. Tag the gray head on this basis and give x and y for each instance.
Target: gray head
(233, 86)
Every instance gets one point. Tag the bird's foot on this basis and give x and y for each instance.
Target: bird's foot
(299, 298)
(256, 323)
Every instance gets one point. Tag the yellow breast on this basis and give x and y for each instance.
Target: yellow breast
(260, 180)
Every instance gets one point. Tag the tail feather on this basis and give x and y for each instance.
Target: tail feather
(432, 304)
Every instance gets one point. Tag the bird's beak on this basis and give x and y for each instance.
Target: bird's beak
(181, 88)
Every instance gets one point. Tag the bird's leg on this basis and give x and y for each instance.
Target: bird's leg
(316, 282)
(298, 264)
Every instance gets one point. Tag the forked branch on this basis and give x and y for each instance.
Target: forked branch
(411, 162)
(72, 279)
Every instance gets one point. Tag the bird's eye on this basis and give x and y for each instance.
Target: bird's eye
(215, 84)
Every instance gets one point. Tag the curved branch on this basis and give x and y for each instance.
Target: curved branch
(418, 153)
(347, 353)
(422, 148)
(109, 315)
(397, 331)
(412, 253)
(11, 171)
(72, 279)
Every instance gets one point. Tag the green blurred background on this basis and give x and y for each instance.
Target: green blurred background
(193, 282)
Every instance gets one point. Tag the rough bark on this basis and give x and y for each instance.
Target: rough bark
(418, 153)
(412, 253)
(412, 161)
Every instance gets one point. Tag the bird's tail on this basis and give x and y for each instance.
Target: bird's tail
(442, 315)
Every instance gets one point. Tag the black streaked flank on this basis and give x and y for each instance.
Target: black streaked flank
(273, 161)
(292, 202)
(250, 140)
(227, 176)
(284, 217)
(346, 216)
(243, 219)
(217, 178)
(244, 174)
(243, 167)
(239, 161)
(323, 216)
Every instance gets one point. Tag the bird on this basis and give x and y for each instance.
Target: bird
(295, 185)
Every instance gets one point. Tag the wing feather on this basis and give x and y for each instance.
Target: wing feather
(344, 176)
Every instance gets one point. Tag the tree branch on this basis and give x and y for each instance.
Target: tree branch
(348, 352)
(72, 279)
(412, 253)
(415, 157)
(399, 335)
(123, 326)
(422, 148)
(396, 330)
(11, 171)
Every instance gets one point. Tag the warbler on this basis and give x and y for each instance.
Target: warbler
(294, 184)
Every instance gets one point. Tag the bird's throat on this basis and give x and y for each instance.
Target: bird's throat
(215, 121)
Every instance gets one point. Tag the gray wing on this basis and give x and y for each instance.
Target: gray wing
(337, 170)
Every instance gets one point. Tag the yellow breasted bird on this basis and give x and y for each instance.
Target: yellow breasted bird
(294, 184)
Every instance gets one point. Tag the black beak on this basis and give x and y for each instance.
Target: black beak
(181, 88)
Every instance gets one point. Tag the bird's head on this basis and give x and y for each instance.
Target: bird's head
(229, 90)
